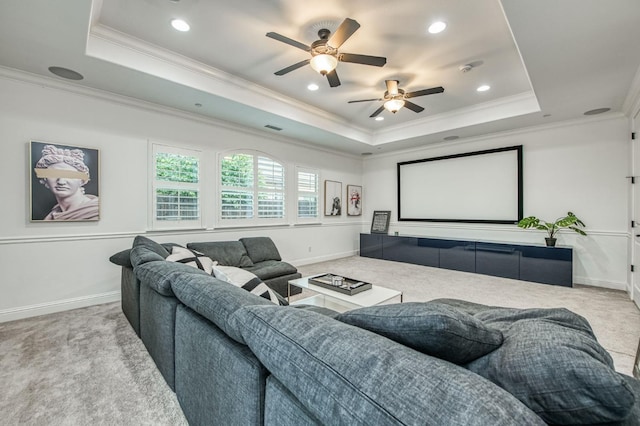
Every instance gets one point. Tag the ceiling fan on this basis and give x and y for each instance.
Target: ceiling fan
(397, 98)
(324, 52)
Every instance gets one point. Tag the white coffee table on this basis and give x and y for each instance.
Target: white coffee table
(340, 302)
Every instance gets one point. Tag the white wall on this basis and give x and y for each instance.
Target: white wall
(574, 166)
(48, 267)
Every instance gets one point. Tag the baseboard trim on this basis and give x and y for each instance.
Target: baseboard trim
(318, 259)
(57, 306)
(621, 285)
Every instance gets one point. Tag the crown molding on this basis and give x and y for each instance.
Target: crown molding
(79, 90)
(507, 107)
(504, 133)
(121, 49)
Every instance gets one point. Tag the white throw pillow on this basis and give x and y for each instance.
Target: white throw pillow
(245, 280)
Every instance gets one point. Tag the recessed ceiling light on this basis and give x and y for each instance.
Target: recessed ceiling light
(546, 116)
(180, 25)
(597, 111)
(378, 118)
(451, 138)
(198, 104)
(483, 88)
(313, 87)
(437, 27)
(364, 154)
(66, 73)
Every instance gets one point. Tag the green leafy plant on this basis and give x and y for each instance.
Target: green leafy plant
(570, 221)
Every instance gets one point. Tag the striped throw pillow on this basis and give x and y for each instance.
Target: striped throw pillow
(191, 258)
(245, 280)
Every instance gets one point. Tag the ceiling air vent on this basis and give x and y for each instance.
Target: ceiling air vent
(269, 126)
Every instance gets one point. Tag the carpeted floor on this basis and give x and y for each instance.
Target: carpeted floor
(87, 366)
(81, 367)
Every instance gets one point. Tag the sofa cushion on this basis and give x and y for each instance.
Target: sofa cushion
(260, 249)
(463, 305)
(191, 258)
(268, 269)
(503, 318)
(338, 371)
(216, 300)
(159, 274)
(432, 328)
(246, 281)
(634, 417)
(551, 362)
(226, 253)
(146, 250)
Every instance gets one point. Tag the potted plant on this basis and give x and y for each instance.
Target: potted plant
(570, 221)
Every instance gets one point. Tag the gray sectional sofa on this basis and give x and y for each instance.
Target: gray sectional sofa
(258, 255)
(235, 358)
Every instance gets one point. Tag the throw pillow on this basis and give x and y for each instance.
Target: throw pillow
(435, 329)
(558, 370)
(191, 258)
(245, 280)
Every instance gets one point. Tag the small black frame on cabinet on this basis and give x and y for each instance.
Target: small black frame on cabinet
(380, 223)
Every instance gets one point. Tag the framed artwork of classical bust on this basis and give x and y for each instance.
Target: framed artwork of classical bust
(64, 183)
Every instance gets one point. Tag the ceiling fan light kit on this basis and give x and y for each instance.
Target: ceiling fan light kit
(324, 52)
(324, 63)
(396, 98)
(394, 105)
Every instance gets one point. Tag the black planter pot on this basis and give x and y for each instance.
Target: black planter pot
(551, 242)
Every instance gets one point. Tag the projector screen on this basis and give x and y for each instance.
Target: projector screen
(475, 187)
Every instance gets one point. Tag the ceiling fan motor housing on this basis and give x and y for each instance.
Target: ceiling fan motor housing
(388, 96)
(320, 47)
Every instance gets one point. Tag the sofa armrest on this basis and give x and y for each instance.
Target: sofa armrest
(122, 258)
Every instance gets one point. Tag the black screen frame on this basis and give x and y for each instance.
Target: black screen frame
(520, 207)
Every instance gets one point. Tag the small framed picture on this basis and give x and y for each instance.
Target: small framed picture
(354, 200)
(64, 183)
(380, 223)
(332, 198)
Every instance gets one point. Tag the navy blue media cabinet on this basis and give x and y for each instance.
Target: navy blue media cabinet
(541, 264)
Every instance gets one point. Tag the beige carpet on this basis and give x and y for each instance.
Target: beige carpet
(87, 366)
(81, 367)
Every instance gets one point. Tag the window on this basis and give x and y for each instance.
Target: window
(176, 188)
(308, 196)
(252, 189)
